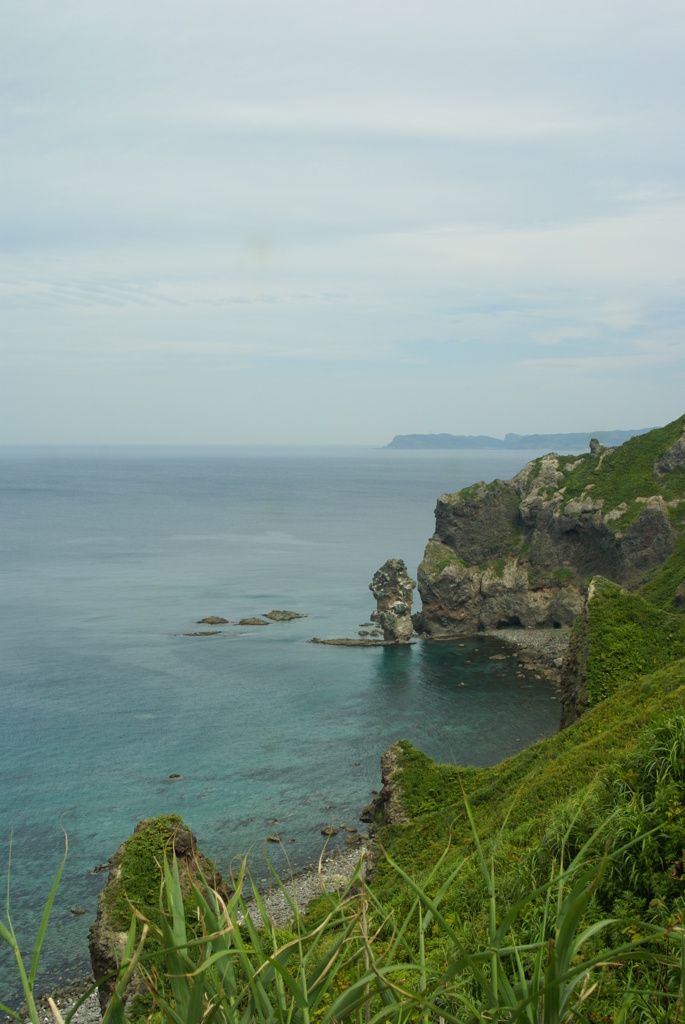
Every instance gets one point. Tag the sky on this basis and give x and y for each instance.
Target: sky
(288, 221)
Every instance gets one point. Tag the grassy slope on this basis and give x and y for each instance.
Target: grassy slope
(626, 473)
(612, 766)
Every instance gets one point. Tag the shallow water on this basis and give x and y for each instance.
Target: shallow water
(109, 556)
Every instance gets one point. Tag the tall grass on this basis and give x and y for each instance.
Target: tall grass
(202, 959)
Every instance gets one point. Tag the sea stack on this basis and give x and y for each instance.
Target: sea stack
(394, 592)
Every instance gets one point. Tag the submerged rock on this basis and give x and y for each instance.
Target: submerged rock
(394, 592)
(283, 616)
(212, 620)
(253, 622)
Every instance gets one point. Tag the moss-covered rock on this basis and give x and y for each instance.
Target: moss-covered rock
(134, 881)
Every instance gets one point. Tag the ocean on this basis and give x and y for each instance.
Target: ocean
(110, 556)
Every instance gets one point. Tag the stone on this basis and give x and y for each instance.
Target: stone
(394, 592)
(679, 599)
(283, 616)
(329, 830)
(595, 447)
(253, 622)
(212, 620)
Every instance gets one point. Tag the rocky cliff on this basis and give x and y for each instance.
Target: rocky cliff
(522, 552)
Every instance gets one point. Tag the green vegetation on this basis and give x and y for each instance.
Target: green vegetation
(437, 558)
(138, 883)
(625, 473)
(625, 637)
(661, 589)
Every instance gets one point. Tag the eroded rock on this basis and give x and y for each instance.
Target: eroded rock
(394, 592)
(518, 553)
(283, 616)
(386, 807)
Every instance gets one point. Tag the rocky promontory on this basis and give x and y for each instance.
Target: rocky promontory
(522, 552)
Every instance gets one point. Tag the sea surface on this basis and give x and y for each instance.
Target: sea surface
(109, 556)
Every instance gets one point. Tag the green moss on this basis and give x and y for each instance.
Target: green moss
(564, 574)
(139, 875)
(436, 559)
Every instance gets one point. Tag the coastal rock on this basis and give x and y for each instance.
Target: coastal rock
(212, 620)
(518, 553)
(394, 593)
(283, 616)
(386, 807)
(142, 852)
(354, 642)
(253, 622)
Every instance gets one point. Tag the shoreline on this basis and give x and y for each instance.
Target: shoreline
(333, 871)
(538, 650)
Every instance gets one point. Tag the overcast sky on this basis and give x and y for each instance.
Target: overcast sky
(269, 221)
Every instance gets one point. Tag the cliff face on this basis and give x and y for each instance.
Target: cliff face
(522, 552)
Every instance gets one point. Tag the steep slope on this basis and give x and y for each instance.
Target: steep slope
(522, 552)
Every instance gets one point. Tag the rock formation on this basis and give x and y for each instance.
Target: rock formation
(386, 807)
(394, 593)
(521, 552)
(139, 856)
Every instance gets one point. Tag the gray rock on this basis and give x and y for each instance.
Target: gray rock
(394, 592)
(516, 553)
(283, 616)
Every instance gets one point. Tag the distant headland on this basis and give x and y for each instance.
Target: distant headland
(552, 442)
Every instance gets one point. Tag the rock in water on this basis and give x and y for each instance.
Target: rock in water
(394, 592)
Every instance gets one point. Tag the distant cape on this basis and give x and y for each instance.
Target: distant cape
(559, 443)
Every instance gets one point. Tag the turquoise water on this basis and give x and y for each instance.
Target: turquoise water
(109, 556)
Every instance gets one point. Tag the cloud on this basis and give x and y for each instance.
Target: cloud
(338, 197)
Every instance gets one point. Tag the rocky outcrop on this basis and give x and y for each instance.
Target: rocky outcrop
(283, 616)
(386, 807)
(394, 593)
(519, 553)
(140, 856)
